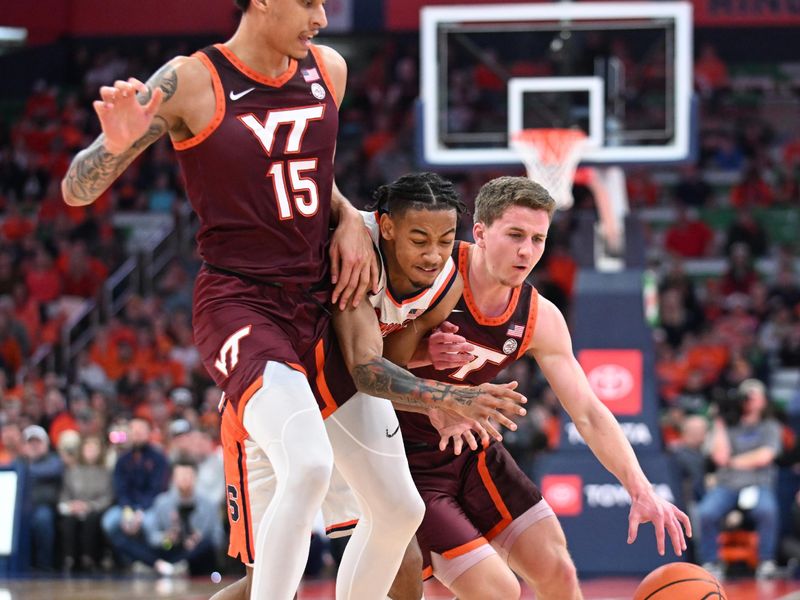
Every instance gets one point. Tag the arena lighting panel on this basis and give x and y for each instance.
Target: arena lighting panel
(13, 35)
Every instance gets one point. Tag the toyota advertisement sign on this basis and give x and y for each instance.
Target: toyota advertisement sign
(587, 498)
(617, 377)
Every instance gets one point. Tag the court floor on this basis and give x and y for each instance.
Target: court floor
(199, 589)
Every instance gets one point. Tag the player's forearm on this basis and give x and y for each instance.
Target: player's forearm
(380, 377)
(409, 408)
(420, 358)
(604, 436)
(341, 208)
(94, 169)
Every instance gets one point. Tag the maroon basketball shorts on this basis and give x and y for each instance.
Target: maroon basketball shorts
(470, 500)
(240, 324)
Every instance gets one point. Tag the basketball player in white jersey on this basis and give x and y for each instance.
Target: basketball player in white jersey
(413, 230)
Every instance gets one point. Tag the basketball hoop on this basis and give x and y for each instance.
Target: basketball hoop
(551, 157)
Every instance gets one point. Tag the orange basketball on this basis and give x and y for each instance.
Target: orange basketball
(680, 581)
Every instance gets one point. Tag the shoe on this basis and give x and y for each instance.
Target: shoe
(715, 569)
(767, 570)
(164, 569)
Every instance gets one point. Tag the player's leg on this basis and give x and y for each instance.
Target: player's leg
(369, 453)
(538, 553)
(479, 574)
(283, 420)
(407, 584)
(341, 513)
(509, 510)
(238, 590)
(453, 548)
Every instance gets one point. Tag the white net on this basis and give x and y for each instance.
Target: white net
(551, 157)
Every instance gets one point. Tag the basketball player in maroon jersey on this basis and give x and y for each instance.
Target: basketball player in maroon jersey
(254, 124)
(485, 520)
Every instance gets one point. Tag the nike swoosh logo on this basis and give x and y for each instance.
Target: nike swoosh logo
(235, 97)
(394, 433)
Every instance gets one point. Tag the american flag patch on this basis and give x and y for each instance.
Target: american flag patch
(516, 331)
(310, 75)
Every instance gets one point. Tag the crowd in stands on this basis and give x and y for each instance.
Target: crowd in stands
(128, 446)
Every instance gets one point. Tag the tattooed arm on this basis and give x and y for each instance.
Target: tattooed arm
(361, 343)
(132, 116)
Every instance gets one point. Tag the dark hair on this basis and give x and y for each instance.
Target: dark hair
(498, 194)
(418, 191)
(242, 4)
(184, 460)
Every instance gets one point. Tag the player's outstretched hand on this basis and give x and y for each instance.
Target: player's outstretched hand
(489, 401)
(354, 268)
(459, 430)
(447, 349)
(665, 516)
(125, 116)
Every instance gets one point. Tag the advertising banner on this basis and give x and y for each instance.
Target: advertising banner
(593, 509)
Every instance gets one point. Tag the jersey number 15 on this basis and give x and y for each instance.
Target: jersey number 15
(288, 180)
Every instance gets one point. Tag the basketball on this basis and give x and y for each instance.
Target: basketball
(679, 581)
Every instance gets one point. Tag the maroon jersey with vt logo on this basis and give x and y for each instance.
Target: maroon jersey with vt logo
(498, 341)
(260, 175)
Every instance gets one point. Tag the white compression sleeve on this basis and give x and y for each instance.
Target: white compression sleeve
(368, 449)
(284, 421)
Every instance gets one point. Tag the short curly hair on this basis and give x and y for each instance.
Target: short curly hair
(242, 4)
(419, 191)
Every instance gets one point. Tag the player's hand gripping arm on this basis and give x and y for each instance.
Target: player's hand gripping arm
(552, 348)
(354, 267)
(404, 346)
(362, 346)
(443, 349)
(132, 116)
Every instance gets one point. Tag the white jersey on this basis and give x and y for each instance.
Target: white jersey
(396, 313)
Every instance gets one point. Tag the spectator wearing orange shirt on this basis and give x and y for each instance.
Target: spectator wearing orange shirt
(10, 443)
(79, 277)
(14, 345)
(688, 237)
(752, 190)
(16, 226)
(562, 268)
(43, 278)
(710, 73)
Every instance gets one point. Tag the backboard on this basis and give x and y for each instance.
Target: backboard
(620, 71)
